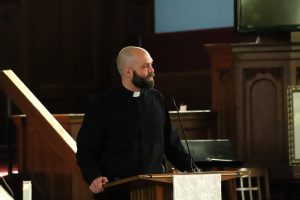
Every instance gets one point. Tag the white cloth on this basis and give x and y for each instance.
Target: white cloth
(197, 187)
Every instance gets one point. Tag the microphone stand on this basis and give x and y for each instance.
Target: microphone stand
(193, 166)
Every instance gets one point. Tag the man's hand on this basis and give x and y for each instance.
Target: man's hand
(97, 184)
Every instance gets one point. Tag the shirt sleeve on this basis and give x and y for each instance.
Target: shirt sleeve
(89, 142)
(174, 150)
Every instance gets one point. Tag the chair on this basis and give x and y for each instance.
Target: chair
(253, 185)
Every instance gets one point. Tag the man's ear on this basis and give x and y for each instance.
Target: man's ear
(127, 71)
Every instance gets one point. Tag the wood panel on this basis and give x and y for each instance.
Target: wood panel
(255, 115)
(9, 35)
(64, 50)
(191, 88)
(52, 176)
(223, 88)
(264, 117)
(197, 124)
(261, 82)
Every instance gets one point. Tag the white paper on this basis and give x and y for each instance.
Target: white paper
(197, 187)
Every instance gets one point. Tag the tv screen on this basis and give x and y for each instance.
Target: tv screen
(262, 16)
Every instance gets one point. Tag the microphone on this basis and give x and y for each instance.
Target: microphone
(193, 166)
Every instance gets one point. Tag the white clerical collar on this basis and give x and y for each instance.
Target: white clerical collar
(136, 94)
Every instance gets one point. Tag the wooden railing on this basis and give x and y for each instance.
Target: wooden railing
(46, 150)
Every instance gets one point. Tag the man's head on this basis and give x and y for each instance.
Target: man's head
(135, 67)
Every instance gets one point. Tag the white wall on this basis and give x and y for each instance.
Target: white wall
(184, 15)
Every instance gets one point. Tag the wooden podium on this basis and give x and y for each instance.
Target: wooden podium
(158, 186)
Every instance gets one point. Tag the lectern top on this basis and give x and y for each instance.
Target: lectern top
(168, 178)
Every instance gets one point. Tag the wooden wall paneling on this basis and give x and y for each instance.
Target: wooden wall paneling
(62, 52)
(46, 44)
(262, 75)
(23, 69)
(223, 89)
(130, 20)
(47, 54)
(67, 48)
(238, 66)
(189, 88)
(197, 125)
(9, 34)
(70, 122)
(263, 116)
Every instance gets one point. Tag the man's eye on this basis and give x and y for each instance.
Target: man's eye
(147, 65)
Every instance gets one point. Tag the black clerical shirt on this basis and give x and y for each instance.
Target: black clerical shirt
(123, 136)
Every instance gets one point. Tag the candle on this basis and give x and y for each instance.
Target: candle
(27, 190)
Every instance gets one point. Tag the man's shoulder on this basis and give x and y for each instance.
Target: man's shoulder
(109, 96)
(107, 93)
(154, 92)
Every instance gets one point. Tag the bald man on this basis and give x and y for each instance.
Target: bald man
(126, 130)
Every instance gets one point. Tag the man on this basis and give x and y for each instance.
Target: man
(126, 130)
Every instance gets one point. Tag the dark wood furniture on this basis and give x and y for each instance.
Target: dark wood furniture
(253, 186)
(249, 87)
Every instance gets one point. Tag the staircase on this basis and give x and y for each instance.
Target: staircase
(46, 151)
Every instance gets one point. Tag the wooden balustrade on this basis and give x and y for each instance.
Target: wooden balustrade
(46, 150)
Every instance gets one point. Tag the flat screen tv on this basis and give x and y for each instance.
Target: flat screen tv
(267, 16)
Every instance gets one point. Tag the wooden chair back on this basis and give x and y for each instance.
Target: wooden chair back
(254, 185)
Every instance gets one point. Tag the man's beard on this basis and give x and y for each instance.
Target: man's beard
(143, 82)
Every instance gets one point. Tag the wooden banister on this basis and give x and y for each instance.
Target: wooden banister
(48, 150)
(32, 107)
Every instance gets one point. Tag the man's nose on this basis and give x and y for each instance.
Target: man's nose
(150, 69)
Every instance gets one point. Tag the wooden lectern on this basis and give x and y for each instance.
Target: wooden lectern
(158, 186)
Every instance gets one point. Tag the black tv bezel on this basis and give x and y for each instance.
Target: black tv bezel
(242, 29)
